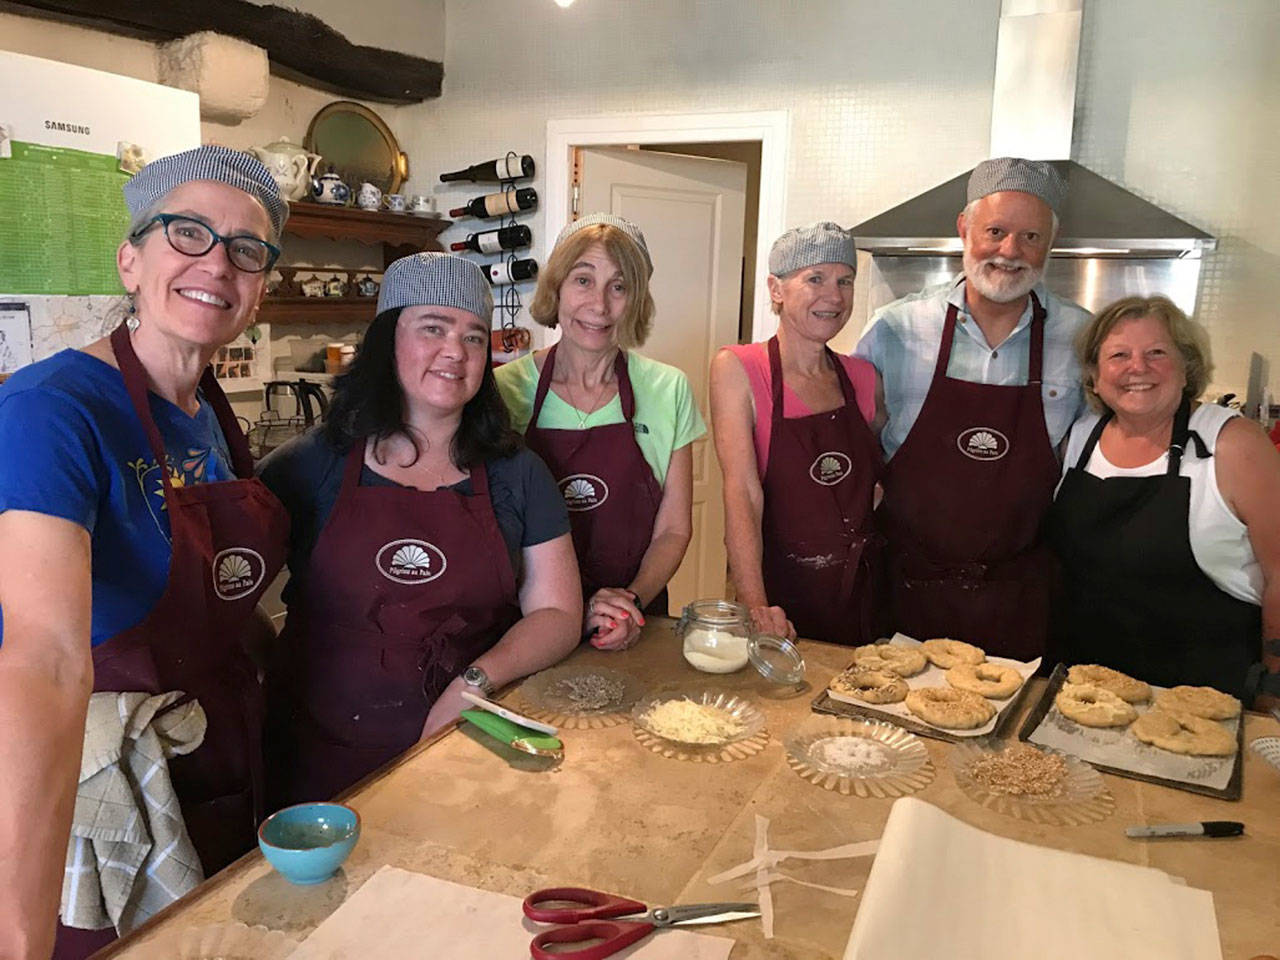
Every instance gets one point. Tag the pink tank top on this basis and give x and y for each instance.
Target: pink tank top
(755, 360)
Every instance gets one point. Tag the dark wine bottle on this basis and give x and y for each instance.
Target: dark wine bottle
(498, 204)
(514, 271)
(492, 241)
(510, 167)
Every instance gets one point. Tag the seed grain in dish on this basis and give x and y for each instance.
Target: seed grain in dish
(1021, 771)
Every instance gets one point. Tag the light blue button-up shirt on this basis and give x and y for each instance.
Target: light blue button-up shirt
(903, 338)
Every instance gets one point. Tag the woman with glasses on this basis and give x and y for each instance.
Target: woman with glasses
(134, 540)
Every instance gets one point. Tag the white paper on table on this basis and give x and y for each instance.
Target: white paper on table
(1118, 747)
(941, 888)
(937, 677)
(410, 916)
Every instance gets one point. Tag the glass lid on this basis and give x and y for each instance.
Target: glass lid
(776, 658)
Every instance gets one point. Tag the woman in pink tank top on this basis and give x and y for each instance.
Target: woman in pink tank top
(796, 433)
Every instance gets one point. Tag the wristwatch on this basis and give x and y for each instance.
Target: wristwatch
(474, 676)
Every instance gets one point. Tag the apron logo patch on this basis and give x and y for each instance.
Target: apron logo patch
(410, 561)
(830, 468)
(983, 443)
(583, 491)
(237, 572)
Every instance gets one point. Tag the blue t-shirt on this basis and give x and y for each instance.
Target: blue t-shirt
(71, 446)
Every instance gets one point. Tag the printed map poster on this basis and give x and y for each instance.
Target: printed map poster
(62, 131)
(15, 337)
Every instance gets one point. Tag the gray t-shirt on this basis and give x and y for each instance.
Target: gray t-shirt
(306, 474)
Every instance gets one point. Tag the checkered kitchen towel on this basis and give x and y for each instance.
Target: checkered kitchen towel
(129, 853)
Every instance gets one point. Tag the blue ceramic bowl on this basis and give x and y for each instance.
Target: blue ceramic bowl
(308, 842)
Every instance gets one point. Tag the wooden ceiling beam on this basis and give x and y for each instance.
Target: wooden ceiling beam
(300, 45)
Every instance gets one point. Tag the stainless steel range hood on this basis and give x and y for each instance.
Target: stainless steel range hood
(1110, 241)
(1099, 219)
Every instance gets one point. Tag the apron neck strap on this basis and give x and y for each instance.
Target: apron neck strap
(1177, 440)
(135, 384)
(355, 463)
(625, 394)
(1035, 361)
(775, 378)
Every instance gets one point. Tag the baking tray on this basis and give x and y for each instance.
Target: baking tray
(823, 703)
(1038, 713)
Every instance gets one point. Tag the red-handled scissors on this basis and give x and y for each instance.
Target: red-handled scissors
(588, 915)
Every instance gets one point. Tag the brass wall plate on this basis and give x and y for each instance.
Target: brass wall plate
(358, 144)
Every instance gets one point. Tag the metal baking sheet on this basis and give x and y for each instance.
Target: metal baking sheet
(1040, 713)
(826, 704)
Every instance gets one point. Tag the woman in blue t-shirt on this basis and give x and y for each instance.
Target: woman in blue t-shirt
(134, 540)
(430, 552)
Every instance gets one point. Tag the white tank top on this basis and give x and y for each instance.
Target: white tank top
(1219, 539)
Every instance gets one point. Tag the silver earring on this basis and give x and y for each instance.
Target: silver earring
(132, 321)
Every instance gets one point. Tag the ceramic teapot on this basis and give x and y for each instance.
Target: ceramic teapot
(290, 166)
(367, 287)
(330, 189)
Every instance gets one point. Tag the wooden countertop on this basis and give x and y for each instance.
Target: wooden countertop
(617, 816)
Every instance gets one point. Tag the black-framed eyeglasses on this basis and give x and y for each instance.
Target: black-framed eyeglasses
(195, 239)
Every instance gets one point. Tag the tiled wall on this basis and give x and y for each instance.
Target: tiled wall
(886, 99)
(1179, 101)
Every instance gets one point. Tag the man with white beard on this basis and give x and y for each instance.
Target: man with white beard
(981, 384)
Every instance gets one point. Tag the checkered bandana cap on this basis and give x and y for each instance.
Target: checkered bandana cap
(612, 220)
(800, 247)
(436, 280)
(1035, 177)
(210, 162)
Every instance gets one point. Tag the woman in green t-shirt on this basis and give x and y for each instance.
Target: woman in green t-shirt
(614, 427)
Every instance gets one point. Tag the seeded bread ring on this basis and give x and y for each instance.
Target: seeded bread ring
(994, 681)
(904, 661)
(1093, 706)
(1121, 684)
(949, 708)
(951, 653)
(1199, 702)
(1184, 733)
(870, 686)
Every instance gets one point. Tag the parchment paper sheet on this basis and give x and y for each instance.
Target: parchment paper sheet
(1114, 747)
(399, 915)
(937, 677)
(941, 888)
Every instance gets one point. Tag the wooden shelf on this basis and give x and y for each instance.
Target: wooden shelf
(317, 309)
(351, 223)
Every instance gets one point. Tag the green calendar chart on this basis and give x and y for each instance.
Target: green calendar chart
(62, 216)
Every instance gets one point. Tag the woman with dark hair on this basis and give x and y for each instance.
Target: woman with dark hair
(430, 552)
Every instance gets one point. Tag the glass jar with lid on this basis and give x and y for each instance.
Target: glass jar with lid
(714, 635)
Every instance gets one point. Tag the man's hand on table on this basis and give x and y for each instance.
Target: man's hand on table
(772, 620)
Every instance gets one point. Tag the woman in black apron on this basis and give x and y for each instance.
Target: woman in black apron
(1165, 521)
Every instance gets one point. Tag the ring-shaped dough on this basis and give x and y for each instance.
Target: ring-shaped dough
(951, 653)
(904, 661)
(994, 681)
(1199, 702)
(1184, 733)
(870, 686)
(949, 708)
(1121, 684)
(1093, 706)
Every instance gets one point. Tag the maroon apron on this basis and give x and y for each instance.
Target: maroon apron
(228, 542)
(965, 497)
(821, 551)
(406, 588)
(608, 486)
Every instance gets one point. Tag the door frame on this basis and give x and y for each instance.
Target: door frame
(770, 127)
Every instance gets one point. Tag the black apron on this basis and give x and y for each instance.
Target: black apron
(1134, 597)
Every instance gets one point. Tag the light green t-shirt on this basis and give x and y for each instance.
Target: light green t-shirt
(666, 417)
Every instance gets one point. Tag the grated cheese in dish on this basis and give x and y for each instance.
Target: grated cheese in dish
(689, 722)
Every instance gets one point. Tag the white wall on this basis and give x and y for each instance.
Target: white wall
(1179, 101)
(883, 103)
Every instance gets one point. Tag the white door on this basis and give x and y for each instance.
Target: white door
(691, 211)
